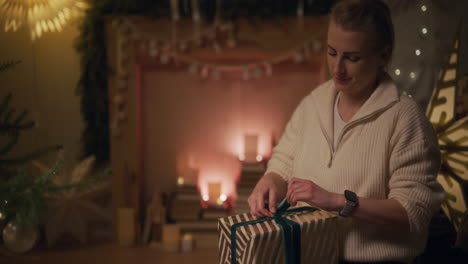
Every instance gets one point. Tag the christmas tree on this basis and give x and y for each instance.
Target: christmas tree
(23, 195)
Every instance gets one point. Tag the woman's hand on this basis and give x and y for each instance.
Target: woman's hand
(300, 190)
(271, 188)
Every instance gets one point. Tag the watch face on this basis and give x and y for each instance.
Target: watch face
(350, 196)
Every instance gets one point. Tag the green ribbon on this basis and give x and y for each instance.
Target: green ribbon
(291, 232)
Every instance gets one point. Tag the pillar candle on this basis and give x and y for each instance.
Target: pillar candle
(187, 243)
(171, 237)
(214, 190)
(126, 226)
(250, 147)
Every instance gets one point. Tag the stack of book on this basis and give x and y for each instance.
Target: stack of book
(250, 175)
(186, 204)
(213, 213)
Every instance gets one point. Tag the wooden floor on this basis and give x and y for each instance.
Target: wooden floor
(111, 254)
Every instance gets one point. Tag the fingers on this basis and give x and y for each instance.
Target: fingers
(272, 201)
(257, 206)
(292, 186)
(261, 210)
(297, 191)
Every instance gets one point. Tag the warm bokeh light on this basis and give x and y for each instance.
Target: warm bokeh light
(223, 197)
(259, 158)
(41, 16)
(180, 181)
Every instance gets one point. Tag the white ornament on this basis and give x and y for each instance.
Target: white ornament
(317, 45)
(268, 69)
(246, 75)
(193, 68)
(216, 74)
(20, 235)
(298, 57)
(258, 72)
(164, 59)
(204, 72)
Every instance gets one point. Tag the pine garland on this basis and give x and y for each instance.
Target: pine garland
(90, 44)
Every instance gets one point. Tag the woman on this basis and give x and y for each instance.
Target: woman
(355, 146)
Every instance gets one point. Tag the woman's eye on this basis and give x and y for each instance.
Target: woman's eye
(354, 59)
(331, 53)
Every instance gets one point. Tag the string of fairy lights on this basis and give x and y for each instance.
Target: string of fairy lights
(423, 32)
(220, 39)
(218, 36)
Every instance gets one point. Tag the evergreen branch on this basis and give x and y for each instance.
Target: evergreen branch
(13, 141)
(7, 65)
(26, 158)
(47, 177)
(5, 103)
(95, 178)
(26, 199)
(6, 113)
(20, 118)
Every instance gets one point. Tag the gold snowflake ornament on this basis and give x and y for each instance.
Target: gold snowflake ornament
(453, 138)
(41, 15)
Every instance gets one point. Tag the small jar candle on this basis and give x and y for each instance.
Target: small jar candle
(187, 243)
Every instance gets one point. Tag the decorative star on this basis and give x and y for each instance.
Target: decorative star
(453, 138)
(70, 211)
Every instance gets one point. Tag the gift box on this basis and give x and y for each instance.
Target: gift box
(298, 235)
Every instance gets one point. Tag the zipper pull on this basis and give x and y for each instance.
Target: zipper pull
(330, 161)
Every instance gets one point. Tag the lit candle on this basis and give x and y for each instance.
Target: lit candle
(187, 243)
(250, 147)
(214, 190)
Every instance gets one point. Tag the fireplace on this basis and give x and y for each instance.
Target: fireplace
(167, 117)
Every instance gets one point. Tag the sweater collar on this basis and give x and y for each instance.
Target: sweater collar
(324, 96)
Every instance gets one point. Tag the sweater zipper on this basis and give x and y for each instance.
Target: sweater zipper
(330, 144)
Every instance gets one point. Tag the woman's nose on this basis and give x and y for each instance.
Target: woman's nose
(338, 66)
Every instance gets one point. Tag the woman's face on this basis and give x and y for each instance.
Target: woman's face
(353, 60)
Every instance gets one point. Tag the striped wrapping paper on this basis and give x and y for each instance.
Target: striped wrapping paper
(261, 243)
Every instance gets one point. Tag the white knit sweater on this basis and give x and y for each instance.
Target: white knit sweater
(387, 150)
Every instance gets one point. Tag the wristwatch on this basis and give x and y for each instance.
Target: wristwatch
(352, 202)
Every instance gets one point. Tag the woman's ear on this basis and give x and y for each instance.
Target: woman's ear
(385, 55)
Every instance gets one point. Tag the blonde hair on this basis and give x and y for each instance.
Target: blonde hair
(371, 16)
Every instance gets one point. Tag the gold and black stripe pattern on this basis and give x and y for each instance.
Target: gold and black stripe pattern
(261, 243)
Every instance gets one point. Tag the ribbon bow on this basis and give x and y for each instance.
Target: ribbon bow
(291, 232)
